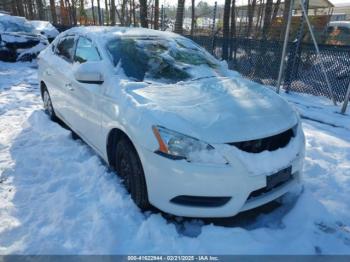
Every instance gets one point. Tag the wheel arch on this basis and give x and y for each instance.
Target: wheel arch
(113, 137)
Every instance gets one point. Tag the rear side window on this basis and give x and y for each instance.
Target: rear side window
(65, 48)
(86, 51)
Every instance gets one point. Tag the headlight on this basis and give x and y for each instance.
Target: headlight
(178, 146)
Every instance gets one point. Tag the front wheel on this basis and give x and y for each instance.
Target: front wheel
(129, 168)
(48, 105)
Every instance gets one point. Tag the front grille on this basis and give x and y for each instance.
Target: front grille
(268, 143)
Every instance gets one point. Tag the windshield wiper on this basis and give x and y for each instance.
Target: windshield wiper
(202, 77)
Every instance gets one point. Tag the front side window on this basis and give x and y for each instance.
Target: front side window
(65, 48)
(86, 51)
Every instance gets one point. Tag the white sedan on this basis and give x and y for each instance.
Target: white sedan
(186, 134)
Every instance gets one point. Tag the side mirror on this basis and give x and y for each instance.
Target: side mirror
(89, 73)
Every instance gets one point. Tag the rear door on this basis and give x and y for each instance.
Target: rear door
(59, 71)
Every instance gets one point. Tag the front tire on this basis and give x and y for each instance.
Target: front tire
(48, 105)
(129, 168)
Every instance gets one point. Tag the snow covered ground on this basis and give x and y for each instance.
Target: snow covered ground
(58, 197)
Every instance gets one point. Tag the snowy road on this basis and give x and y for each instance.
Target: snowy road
(57, 197)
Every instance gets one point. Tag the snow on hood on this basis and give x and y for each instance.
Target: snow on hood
(216, 109)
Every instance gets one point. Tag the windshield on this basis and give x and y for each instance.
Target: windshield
(170, 60)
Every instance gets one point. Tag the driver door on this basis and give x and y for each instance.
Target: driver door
(87, 96)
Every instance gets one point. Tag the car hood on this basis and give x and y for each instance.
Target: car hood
(216, 110)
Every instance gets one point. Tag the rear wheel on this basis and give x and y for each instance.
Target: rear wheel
(48, 105)
(129, 168)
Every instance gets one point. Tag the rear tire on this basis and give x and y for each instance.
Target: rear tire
(49, 110)
(129, 168)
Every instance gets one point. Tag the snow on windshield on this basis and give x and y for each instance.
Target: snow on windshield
(171, 60)
(15, 24)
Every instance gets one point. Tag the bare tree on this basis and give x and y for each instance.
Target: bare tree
(93, 12)
(53, 11)
(226, 29)
(251, 14)
(99, 12)
(233, 28)
(143, 13)
(112, 9)
(156, 14)
(285, 17)
(193, 7)
(267, 18)
(179, 16)
(40, 7)
(20, 7)
(107, 12)
(30, 9)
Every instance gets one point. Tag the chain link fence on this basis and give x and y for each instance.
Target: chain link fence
(259, 60)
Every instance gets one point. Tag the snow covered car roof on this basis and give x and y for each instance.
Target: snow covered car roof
(10, 23)
(106, 31)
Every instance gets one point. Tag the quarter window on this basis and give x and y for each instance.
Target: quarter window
(86, 51)
(65, 48)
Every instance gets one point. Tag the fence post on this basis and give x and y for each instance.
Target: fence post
(213, 29)
(346, 101)
(285, 44)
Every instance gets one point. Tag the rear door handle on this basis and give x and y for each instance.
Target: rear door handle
(69, 86)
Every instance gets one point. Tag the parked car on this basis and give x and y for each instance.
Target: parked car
(338, 33)
(45, 28)
(186, 134)
(18, 40)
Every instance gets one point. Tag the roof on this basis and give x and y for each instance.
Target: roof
(314, 4)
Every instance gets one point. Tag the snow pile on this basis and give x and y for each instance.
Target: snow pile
(57, 197)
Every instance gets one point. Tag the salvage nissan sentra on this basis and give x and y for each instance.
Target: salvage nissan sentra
(186, 134)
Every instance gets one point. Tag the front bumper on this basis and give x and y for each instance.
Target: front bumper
(238, 186)
(167, 179)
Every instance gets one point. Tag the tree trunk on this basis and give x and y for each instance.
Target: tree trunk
(285, 18)
(134, 12)
(179, 16)
(107, 13)
(143, 13)
(226, 29)
(267, 18)
(99, 12)
(156, 14)
(233, 28)
(122, 13)
(193, 7)
(30, 9)
(40, 6)
(93, 12)
(251, 13)
(53, 12)
(20, 7)
(112, 9)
